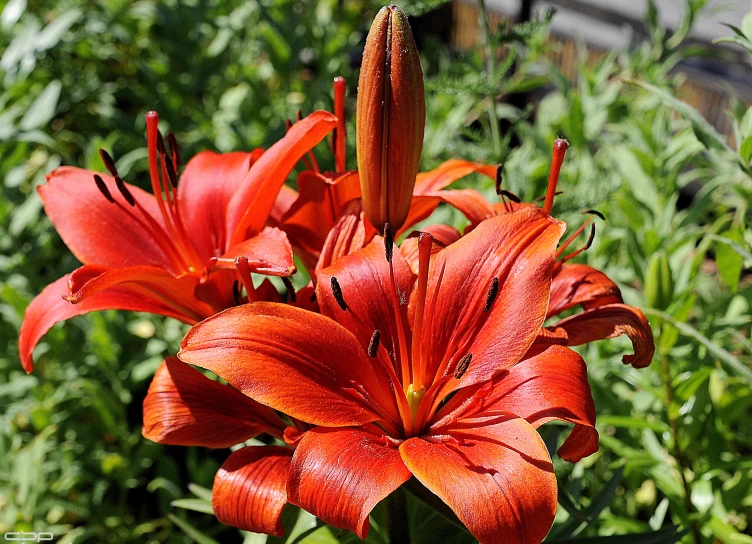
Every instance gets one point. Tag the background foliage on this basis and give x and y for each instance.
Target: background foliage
(676, 453)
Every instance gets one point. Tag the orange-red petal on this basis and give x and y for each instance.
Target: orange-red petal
(298, 362)
(269, 252)
(608, 321)
(250, 489)
(250, 208)
(348, 235)
(49, 307)
(471, 313)
(497, 477)
(581, 284)
(443, 235)
(365, 282)
(98, 231)
(206, 187)
(185, 408)
(549, 384)
(310, 218)
(339, 475)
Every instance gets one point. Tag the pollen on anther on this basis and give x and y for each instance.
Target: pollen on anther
(108, 162)
(388, 242)
(462, 365)
(337, 292)
(373, 345)
(493, 290)
(103, 188)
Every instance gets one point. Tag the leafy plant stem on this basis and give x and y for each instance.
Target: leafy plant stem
(681, 459)
(397, 521)
(490, 74)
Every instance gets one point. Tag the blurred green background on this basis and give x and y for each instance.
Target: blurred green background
(676, 439)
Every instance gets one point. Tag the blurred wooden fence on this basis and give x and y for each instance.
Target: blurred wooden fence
(710, 94)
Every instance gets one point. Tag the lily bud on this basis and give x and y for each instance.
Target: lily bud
(391, 117)
(659, 282)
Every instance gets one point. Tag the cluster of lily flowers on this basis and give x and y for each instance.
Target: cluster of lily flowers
(435, 359)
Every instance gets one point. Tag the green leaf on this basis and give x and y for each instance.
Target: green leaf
(705, 132)
(729, 261)
(42, 110)
(192, 533)
(200, 492)
(747, 26)
(197, 505)
(664, 536)
(575, 524)
(687, 330)
(745, 150)
(420, 7)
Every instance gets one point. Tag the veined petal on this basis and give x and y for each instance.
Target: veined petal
(550, 384)
(497, 478)
(608, 321)
(366, 285)
(339, 475)
(443, 235)
(99, 231)
(580, 284)
(250, 489)
(449, 172)
(300, 363)
(206, 186)
(428, 193)
(269, 252)
(177, 292)
(471, 203)
(311, 217)
(49, 307)
(285, 199)
(251, 206)
(470, 312)
(185, 408)
(348, 235)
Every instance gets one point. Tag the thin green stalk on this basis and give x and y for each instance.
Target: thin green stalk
(681, 459)
(490, 75)
(397, 522)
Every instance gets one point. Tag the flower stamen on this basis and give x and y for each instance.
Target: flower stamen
(103, 188)
(373, 345)
(337, 292)
(493, 291)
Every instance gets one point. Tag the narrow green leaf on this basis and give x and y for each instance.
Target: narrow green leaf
(664, 536)
(192, 533)
(730, 263)
(42, 110)
(197, 505)
(687, 330)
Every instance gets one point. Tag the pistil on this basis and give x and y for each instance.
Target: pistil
(560, 149)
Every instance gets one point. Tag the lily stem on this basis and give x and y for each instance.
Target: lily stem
(681, 459)
(397, 522)
(490, 75)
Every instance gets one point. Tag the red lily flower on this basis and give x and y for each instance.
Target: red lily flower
(605, 315)
(434, 377)
(183, 407)
(310, 216)
(178, 255)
